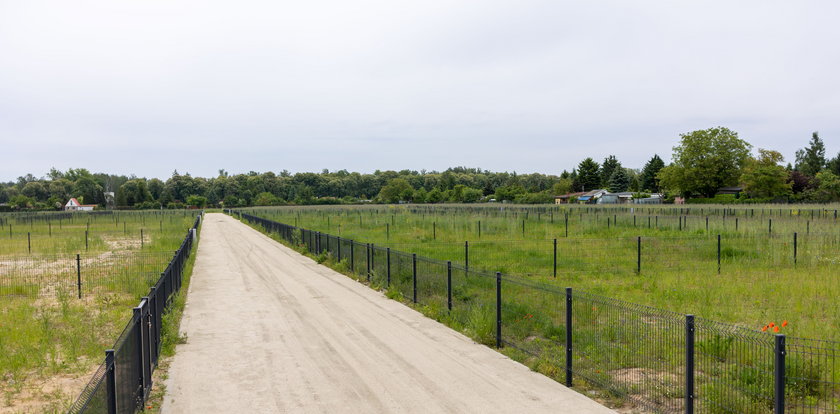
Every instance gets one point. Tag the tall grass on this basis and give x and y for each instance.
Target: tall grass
(45, 330)
(758, 281)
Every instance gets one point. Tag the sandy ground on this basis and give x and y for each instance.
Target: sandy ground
(270, 330)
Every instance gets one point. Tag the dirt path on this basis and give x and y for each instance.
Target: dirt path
(270, 330)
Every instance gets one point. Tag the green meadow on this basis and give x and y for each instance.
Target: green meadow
(50, 338)
(659, 256)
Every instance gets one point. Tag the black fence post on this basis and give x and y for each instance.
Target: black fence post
(142, 242)
(569, 337)
(79, 274)
(86, 240)
(141, 379)
(779, 377)
(567, 224)
(414, 277)
(769, 225)
(29, 241)
(388, 261)
(639, 255)
(449, 285)
(718, 252)
(352, 257)
(467, 255)
(111, 381)
(367, 253)
(555, 257)
(498, 309)
(689, 364)
(794, 248)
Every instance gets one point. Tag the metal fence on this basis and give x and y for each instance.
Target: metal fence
(123, 381)
(662, 361)
(80, 274)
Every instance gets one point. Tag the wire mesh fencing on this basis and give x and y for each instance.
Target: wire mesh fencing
(124, 380)
(80, 274)
(662, 361)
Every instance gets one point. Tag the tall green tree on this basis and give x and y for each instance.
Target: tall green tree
(619, 181)
(764, 177)
(704, 161)
(133, 192)
(648, 179)
(609, 166)
(827, 188)
(156, 187)
(36, 191)
(87, 190)
(834, 165)
(811, 160)
(395, 190)
(562, 186)
(588, 175)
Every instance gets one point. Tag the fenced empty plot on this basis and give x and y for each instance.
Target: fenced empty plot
(66, 282)
(80, 275)
(663, 361)
(747, 266)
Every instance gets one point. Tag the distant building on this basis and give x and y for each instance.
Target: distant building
(730, 190)
(654, 198)
(564, 199)
(74, 205)
(591, 197)
(625, 197)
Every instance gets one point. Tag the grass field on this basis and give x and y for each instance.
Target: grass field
(621, 348)
(50, 339)
(758, 281)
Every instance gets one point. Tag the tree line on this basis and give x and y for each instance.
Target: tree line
(703, 162)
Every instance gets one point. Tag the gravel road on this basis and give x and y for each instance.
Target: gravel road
(271, 331)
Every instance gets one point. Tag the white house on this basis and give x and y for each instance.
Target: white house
(74, 205)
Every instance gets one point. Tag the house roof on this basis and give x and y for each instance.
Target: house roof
(568, 195)
(78, 204)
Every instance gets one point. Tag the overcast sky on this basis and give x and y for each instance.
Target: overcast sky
(147, 87)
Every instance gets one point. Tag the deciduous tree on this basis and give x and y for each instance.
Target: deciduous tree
(704, 161)
(764, 177)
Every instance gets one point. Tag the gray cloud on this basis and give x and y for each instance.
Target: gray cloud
(148, 87)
